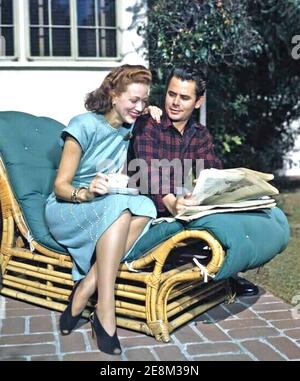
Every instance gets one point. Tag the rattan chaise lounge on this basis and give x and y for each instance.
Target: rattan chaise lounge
(153, 295)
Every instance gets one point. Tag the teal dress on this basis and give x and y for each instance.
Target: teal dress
(79, 226)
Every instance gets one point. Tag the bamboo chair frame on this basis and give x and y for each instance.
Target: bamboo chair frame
(152, 300)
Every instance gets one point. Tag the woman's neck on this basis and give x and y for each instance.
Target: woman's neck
(113, 119)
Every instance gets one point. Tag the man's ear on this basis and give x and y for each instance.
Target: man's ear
(199, 102)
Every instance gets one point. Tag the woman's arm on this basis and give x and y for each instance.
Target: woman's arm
(69, 163)
(155, 112)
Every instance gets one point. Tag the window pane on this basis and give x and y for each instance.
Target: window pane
(111, 47)
(6, 32)
(61, 42)
(6, 12)
(87, 42)
(108, 47)
(38, 11)
(86, 12)
(7, 41)
(39, 42)
(106, 12)
(60, 12)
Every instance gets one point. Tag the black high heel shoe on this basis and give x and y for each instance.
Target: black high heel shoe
(67, 322)
(106, 343)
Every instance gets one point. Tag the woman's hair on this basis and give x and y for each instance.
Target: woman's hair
(115, 83)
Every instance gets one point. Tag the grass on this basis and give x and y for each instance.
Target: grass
(281, 276)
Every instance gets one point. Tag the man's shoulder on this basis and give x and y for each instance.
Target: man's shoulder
(201, 129)
(199, 126)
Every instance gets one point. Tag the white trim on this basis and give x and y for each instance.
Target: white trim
(74, 32)
(2, 308)
(63, 64)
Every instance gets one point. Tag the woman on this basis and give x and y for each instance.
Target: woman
(98, 228)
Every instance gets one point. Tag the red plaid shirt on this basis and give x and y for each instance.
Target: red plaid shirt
(163, 141)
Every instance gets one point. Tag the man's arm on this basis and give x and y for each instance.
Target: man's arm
(205, 150)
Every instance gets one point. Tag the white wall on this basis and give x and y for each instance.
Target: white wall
(57, 89)
(292, 159)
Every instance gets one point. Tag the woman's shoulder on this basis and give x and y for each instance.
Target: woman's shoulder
(83, 118)
(87, 121)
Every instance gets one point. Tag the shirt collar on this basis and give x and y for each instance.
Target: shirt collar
(167, 123)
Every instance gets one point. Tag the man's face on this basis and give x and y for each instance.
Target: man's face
(181, 100)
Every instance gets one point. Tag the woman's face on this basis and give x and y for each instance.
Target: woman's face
(130, 104)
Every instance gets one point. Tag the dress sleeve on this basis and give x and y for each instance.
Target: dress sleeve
(77, 128)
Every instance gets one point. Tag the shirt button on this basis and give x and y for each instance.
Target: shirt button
(26, 148)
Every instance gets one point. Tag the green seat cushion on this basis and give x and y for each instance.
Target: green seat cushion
(153, 237)
(250, 239)
(30, 151)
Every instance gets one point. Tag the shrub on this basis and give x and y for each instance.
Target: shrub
(253, 87)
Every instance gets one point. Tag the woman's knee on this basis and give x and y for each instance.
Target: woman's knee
(140, 220)
(125, 215)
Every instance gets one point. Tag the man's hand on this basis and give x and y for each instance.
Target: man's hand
(177, 205)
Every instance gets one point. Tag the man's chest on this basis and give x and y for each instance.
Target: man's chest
(174, 145)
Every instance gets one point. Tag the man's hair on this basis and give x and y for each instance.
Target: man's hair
(185, 74)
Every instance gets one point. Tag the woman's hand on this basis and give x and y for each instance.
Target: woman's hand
(99, 185)
(155, 113)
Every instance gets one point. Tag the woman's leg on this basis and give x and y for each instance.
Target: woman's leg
(109, 251)
(136, 227)
(84, 291)
(88, 285)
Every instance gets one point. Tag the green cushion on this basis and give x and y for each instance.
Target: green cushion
(250, 239)
(153, 237)
(31, 153)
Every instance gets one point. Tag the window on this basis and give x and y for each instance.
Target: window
(72, 28)
(7, 30)
(96, 23)
(50, 29)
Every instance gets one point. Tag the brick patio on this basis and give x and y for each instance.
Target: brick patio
(251, 329)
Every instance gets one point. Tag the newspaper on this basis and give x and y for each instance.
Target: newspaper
(228, 190)
(222, 186)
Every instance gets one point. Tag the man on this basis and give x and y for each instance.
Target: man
(177, 139)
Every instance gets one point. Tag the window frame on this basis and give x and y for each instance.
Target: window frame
(15, 35)
(74, 46)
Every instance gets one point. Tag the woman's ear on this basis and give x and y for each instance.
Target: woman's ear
(113, 98)
(199, 102)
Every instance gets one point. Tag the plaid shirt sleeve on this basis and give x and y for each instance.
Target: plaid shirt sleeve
(205, 151)
(144, 147)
